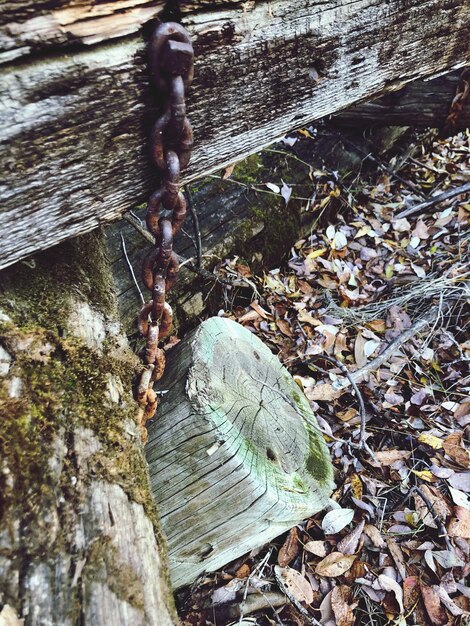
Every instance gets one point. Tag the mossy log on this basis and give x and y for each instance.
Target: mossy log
(78, 524)
(235, 455)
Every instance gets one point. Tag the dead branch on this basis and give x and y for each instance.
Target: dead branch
(422, 207)
(390, 350)
(254, 602)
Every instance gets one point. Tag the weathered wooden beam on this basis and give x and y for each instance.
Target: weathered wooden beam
(419, 104)
(236, 456)
(74, 122)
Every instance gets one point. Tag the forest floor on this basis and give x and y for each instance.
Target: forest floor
(369, 315)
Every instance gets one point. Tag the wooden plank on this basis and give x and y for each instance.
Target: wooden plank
(29, 26)
(235, 456)
(419, 104)
(74, 125)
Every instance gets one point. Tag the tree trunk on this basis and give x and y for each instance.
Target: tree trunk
(235, 457)
(79, 535)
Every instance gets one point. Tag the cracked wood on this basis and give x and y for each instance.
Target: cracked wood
(235, 457)
(76, 109)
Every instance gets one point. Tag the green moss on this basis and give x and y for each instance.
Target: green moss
(64, 388)
(318, 463)
(249, 170)
(104, 565)
(44, 285)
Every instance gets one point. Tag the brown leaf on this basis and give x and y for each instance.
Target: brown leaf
(410, 592)
(341, 605)
(459, 526)
(359, 354)
(346, 415)
(441, 509)
(432, 602)
(290, 548)
(318, 548)
(334, 564)
(323, 391)
(228, 171)
(284, 327)
(264, 314)
(349, 543)
(453, 449)
(397, 556)
(387, 583)
(375, 536)
(389, 457)
(421, 230)
(294, 584)
(243, 572)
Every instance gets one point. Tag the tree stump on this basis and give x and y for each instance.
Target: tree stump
(235, 455)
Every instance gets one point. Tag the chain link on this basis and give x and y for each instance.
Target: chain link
(171, 141)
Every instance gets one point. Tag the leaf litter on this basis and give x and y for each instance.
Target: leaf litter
(386, 299)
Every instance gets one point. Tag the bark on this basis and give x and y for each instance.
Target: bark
(74, 126)
(79, 535)
(235, 457)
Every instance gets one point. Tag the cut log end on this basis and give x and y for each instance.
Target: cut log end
(235, 456)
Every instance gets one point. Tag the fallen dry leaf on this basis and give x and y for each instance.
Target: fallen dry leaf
(459, 526)
(290, 548)
(388, 457)
(341, 597)
(432, 602)
(294, 584)
(318, 548)
(323, 392)
(375, 536)
(389, 584)
(334, 564)
(349, 543)
(336, 520)
(453, 449)
(397, 556)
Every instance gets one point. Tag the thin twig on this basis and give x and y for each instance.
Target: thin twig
(135, 222)
(131, 269)
(362, 407)
(197, 230)
(437, 520)
(390, 350)
(257, 569)
(423, 207)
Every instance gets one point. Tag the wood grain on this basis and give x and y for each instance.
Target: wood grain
(74, 120)
(235, 456)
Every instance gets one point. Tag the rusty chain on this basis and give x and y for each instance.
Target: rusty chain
(171, 67)
(458, 102)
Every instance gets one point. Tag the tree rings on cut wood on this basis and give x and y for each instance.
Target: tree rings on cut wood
(235, 454)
